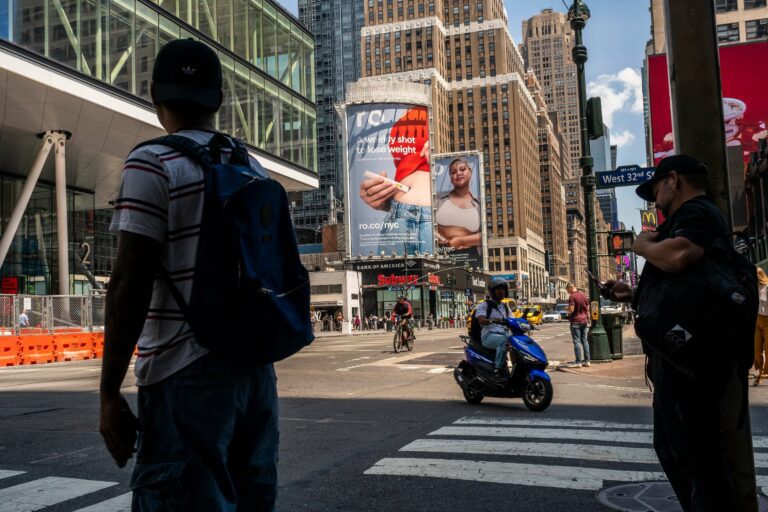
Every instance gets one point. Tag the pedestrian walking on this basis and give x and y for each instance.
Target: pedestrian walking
(761, 328)
(23, 319)
(702, 433)
(357, 322)
(578, 316)
(313, 319)
(209, 424)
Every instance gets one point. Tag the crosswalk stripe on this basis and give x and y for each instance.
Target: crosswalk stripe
(554, 450)
(120, 503)
(38, 494)
(589, 479)
(547, 433)
(471, 420)
(7, 473)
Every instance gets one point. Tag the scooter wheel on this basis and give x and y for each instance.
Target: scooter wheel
(472, 397)
(537, 394)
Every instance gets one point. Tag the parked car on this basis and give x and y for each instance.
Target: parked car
(562, 310)
(551, 316)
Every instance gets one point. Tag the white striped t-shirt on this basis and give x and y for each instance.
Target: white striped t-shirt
(161, 196)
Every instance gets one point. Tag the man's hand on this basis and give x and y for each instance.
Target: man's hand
(118, 426)
(643, 241)
(617, 291)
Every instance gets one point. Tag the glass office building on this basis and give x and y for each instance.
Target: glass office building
(268, 64)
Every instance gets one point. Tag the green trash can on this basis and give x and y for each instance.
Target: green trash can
(614, 326)
(389, 325)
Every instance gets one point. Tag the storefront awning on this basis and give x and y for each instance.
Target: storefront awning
(325, 303)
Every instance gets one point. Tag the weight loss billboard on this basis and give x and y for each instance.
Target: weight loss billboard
(459, 213)
(389, 195)
(745, 103)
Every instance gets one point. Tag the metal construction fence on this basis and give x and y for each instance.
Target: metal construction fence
(51, 314)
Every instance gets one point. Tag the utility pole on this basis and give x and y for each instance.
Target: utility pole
(696, 96)
(578, 16)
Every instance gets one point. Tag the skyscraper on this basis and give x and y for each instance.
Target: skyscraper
(547, 44)
(336, 25)
(554, 165)
(465, 52)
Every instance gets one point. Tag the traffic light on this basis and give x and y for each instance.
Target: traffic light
(620, 242)
(595, 118)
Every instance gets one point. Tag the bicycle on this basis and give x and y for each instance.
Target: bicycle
(398, 342)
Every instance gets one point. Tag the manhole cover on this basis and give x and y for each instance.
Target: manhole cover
(648, 497)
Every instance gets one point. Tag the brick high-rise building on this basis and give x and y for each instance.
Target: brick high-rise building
(465, 52)
(547, 44)
(554, 165)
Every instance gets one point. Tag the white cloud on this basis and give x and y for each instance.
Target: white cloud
(621, 139)
(620, 92)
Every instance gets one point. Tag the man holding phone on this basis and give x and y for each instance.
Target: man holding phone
(578, 315)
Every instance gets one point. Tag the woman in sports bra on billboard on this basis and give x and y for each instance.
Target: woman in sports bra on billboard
(458, 211)
(407, 199)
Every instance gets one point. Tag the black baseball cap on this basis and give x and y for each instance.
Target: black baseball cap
(187, 70)
(681, 164)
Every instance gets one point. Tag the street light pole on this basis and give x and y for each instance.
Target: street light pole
(578, 16)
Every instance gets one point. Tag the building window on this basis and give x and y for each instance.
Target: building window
(757, 29)
(728, 32)
(725, 5)
(752, 4)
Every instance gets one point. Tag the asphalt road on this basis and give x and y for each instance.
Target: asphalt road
(365, 429)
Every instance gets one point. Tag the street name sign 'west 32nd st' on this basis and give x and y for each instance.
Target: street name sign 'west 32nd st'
(624, 176)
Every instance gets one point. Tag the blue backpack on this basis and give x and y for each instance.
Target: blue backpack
(251, 294)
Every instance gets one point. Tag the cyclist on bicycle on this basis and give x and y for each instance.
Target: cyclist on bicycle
(404, 311)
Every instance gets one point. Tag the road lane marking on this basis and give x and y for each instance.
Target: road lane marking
(120, 503)
(480, 420)
(67, 454)
(547, 433)
(564, 477)
(38, 494)
(516, 448)
(7, 473)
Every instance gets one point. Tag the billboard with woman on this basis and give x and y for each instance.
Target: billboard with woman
(389, 183)
(459, 208)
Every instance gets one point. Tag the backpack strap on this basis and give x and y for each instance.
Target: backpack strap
(189, 148)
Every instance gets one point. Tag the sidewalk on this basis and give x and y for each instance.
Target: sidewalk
(631, 365)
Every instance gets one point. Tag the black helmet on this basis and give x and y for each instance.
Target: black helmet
(498, 282)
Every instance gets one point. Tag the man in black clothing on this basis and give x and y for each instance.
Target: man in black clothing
(693, 406)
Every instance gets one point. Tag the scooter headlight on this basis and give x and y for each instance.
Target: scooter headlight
(524, 326)
(529, 358)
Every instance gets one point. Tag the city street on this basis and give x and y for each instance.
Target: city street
(365, 429)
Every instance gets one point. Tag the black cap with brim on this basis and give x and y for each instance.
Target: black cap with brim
(187, 70)
(681, 164)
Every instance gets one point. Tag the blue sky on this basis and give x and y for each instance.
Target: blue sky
(615, 37)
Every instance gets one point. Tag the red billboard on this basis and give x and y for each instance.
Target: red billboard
(745, 98)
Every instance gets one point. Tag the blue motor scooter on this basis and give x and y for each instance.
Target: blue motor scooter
(526, 376)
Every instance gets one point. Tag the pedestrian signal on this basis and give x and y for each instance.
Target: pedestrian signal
(620, 242)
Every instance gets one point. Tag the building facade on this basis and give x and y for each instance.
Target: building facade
(465, 52)
(79, 73)
(336, 25)
(738, 21)
(547, 44)
(577, 232)
(554, 163)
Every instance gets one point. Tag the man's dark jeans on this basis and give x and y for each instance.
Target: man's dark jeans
(687, 437)
(209, 440)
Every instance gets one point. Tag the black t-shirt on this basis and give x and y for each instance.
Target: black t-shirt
(402, 308)
(699, 221)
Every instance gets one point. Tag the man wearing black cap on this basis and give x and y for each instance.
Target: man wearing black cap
(208, 424)
(688, 406)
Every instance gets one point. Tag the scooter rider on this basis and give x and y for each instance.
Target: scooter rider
(492, 315)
